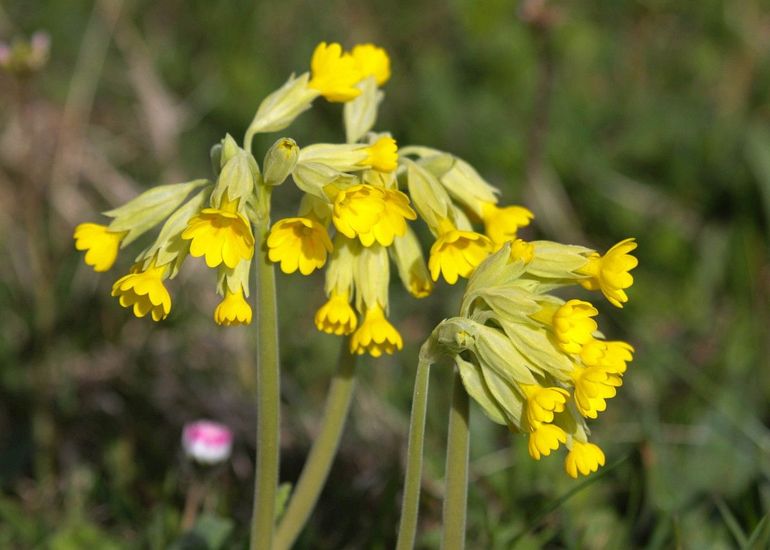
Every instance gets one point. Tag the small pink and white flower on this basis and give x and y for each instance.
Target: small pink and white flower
(207, 442)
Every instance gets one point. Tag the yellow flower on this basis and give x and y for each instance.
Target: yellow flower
(584, 458)
(372, 214)
(101, 244)
(544, 439)
(383, 155)
(542, 403)
(573, 326)
(144, 291)
(522, 250)
(457, 253)
(611, 356)
(222, 236)
(233, 310)
(372, 61)
(299, 243)
(375, 335)
(593, 386)
(501, 224)
(334, 73)
(610, 273)
(336, 316)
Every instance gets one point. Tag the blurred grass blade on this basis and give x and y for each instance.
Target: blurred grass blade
(566, 496)
(731, 522)
(760, 537)
(758, 157)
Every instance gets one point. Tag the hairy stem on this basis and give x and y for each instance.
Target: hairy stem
(319, 461)
(268, 397)
(455, 500)
(411, 503)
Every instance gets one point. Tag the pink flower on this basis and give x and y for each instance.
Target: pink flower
(207, 442)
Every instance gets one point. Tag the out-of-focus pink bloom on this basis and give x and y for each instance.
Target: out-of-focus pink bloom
(207, 442)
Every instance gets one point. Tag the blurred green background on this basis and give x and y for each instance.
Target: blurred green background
(646, 118)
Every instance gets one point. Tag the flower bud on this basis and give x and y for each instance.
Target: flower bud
(280, 161)
(207, 442)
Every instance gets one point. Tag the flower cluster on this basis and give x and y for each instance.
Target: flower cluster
(358, 199)
(536, 362)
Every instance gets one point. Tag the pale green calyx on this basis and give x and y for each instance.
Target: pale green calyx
(279, 109)
(238, 179)
(149, 209)
(360, 114)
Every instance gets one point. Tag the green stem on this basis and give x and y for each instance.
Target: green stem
(268, 397)
(455, 500)
(319, 461)
(411, 502)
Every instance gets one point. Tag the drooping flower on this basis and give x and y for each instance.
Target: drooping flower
(457, 253)
(371, 60)
(299, 244)
(101, 244)
(543, 402)
(521, 250)
(502, 224)
(383, 155)
(144, 292)
(222, 236)
(233, 310)
(593, 386)
(583, 458)
(371, 214)
(336, 316)
(334, 73)
(544, 439)
(573, 325)
(375, 335)
(611, 356)
(610, 273)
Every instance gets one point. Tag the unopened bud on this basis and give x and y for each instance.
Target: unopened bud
(207, 442)
(280, 161)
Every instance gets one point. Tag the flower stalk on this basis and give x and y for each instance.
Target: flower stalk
(456, 495)
(319, 461)
(268, 394)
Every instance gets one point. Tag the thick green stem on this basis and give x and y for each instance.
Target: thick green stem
(411, 504)
(319, 461)
(456, 497)
(268, 397)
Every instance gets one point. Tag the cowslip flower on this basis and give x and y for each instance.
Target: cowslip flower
(300, 243)
(334, 73)
(143, 291)
(375, 335)
(207, 442)
(101, 244)
(371, 214)
(221, 235)
(233, 310)
(456, 253)
(371, 60)
(610, 272)
(336, 316)
(502, 224)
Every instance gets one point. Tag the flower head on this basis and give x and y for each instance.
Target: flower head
(372, 61)
(372, 214)
(383, 155)
(299, 243)
(336, 316)
(101, 244)
(573, 325)
(457, 253)
(584, 458)
(221, 236)
(334, 73)
(207, 442)
(143, 291)
(375, 335)
(233, 310)
(610, 273)
(501, 224)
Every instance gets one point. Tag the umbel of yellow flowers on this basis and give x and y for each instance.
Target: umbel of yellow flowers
(359, 199)
(535, 362)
